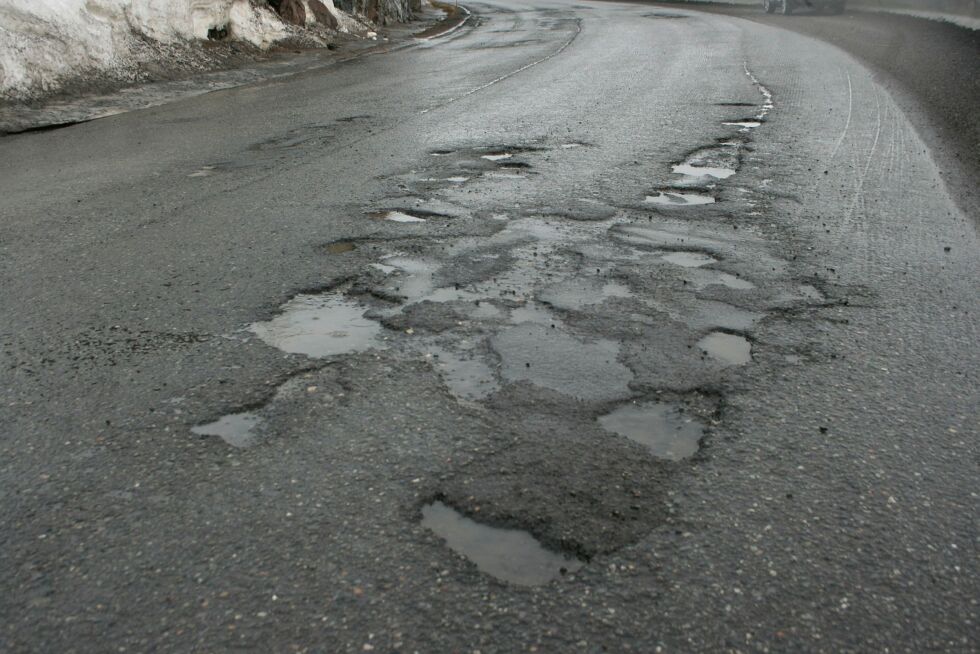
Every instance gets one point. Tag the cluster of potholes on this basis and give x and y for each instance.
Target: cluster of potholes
(557, 300)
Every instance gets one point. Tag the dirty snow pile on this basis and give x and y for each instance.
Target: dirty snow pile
(46, 43)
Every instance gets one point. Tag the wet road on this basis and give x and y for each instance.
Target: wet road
(586, 327)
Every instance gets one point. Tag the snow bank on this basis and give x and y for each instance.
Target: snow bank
(45, 43)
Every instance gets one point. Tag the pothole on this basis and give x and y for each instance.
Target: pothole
(689, 259)
(577, 293)
(679, 199)
(727, 348)
(397, 216)
(340, 247)
(552, 359)
(510, 555)
(320, 326)
(716, 172)
(203, 171)
(744, 124)
(466, 376)
(663, 428)
(236, 429)
(704, 278)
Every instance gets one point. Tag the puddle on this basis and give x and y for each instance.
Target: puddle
(569, 146)
(728, 348)
(703, 171)
(320, 326)
(457, 180)
(578, 293)
(203, 171)
(509, 555)
(662, 238)
(744, 124)
(340, 247)
(679, 199)
(553, 359)
(497, 157)
(689, 259)
(704, 278)
(384, 268)
(467, 378)
(532, 312)
(400, 217)
(235, 429)
(661, 427)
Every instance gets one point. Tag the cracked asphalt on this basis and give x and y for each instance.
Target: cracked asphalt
(249, 336)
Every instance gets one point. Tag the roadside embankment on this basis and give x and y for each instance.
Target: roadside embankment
(71, 46)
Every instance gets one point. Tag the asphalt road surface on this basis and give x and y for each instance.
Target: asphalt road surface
(437, 351)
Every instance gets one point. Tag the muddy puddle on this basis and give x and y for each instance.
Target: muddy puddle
(663, 428)
(510, 555)
(679, 199)
(236, 429)
(320, 326)
(340, 247)
(730, 349)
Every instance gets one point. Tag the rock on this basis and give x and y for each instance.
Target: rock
(322, 14)
(291, 11)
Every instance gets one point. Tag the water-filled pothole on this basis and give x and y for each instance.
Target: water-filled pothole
(580, 292)
(340, 247)
(235, 429)
(320, 326)
(552, 359)
(717, 172)
(510, 555)
(704, 278)
(744, 124)
(397, 216)
(661, 427)
(499, 156)
(679, 199)
(467, 377)
(728, 348)
(689, 259)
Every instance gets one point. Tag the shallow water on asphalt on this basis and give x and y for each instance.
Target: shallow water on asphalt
(661, 427)
(703, 171)
(578, 293)
(320, 326)
(728, 348)
(689, 259)
(235, 429)
(467, 377)
(704, 278)
(510, 555)
(553, 359)
(679, 199)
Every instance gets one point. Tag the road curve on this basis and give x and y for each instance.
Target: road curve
(483, 214)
